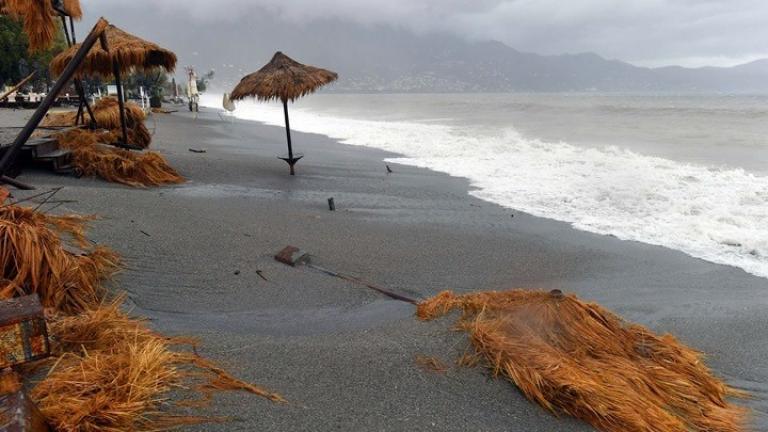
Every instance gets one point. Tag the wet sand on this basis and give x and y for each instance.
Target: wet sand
(344, 356)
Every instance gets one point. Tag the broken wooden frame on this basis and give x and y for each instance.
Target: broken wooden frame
(69, 72)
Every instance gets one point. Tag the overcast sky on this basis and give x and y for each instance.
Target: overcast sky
(642, 32)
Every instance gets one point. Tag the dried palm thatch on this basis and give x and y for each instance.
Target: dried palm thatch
(38, 18)
(107, 115)
(282, 78)
(115, 374)
(92, 158)
(34, 259)
(580, 359)
(131, 52)
(72, 8)
(285, 79)
(431, 364)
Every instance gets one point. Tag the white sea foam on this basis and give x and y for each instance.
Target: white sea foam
(716, 214)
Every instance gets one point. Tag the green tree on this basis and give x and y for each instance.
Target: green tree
(154, 82)
(16, 62)
(202, 82)
(13, 49)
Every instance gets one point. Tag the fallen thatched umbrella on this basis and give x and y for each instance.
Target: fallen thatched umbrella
(285, 79)
(120, 52)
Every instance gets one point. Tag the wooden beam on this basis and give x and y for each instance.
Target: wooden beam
(18, 86)
(69, 72)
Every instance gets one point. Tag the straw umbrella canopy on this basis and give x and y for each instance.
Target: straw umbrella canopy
(129, 51)
(287, 80)
(120, 52)
(38, 18)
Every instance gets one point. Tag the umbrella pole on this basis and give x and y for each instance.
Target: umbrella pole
(291, 161)
(118, 82)
(69, 71)
(78, 83)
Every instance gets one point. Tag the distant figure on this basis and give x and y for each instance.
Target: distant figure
(389, 170)
(192, 93)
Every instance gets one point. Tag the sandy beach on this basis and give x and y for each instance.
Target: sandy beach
(343, 356)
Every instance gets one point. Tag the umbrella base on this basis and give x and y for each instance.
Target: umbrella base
(291, 161)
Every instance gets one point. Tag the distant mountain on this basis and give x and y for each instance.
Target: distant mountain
(386, 59)
(431, 65)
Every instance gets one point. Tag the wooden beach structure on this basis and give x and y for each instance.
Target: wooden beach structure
(119, 53)
(107, 52)
(287, 80)
(40, 26)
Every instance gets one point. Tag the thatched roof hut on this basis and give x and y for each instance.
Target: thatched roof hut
(286, 80)
(38, 17)
(282, 78)
(131, 53)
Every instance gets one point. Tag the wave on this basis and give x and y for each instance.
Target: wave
(717, 214)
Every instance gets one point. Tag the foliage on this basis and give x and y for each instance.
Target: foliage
(202, 82)
(15, 60)
(154, 82)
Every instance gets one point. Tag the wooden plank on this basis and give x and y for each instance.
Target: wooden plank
(23, 332)
(18, 86)
(19, 414)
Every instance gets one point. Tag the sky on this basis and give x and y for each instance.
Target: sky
(652, 33)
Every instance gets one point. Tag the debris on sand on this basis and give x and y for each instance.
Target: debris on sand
(112, 373)
(580, 359)
(92, 158)
(431, 364)
(36, 260)
(107, 115)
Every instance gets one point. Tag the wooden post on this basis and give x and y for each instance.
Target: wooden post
(118, 82)
(19, 414)
(290, 161)
(78, 84)
(10, 155)
(17, 86)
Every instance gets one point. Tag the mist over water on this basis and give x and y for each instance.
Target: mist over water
(685, 172)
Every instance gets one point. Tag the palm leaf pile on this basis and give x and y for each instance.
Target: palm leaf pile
(36, 260)
(107, 114)
(109, 371)
(92, 157)
(113, 373)
(580, 359)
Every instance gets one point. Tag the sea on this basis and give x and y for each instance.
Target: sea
(687, 172)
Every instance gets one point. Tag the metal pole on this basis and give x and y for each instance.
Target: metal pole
(10, 155)
(288, 135)
(118, 82)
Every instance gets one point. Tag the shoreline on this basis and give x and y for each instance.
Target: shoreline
(343, 356)
(704, 210)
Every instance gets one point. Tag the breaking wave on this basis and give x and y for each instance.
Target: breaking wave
(714, 213)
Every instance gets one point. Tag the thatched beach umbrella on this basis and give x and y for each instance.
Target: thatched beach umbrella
(120, 52)
(287, 80)
(38, 18)
(130, 52)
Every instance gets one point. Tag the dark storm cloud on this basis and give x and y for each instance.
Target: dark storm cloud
(649, 32)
